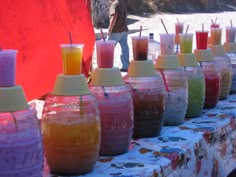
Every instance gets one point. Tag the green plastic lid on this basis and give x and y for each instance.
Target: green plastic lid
(12, 99)
(70, 85)
(141, 68)
(107, 77)
(187, 59)
(167, 62)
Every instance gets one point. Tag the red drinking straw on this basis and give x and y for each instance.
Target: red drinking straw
(140, 30)
(164, 26)
(102, 34)
(164, 79)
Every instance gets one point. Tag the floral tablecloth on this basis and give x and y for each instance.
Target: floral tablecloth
(201, 147)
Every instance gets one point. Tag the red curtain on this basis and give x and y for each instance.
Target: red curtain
(36, 28)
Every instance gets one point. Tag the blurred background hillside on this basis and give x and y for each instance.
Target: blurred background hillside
(148, 7)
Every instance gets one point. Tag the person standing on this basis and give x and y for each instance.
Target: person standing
(118, 30)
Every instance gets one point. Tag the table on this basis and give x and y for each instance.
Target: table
(200, 147)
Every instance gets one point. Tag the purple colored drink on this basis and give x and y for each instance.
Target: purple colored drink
(7, 68)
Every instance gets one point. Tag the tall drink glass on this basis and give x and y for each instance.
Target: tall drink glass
(105, 53)
(8, 68)
(140, 47)
(202, 39)
(167, 44)
(72, 58)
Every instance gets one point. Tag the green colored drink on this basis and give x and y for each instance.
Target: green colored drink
(196, 96)
(186, 43)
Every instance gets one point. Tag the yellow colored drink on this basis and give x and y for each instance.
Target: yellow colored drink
(71, 149)
(216, 36)
(72, 58)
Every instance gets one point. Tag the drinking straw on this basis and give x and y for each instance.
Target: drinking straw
(70, 38)
(105, 93)
(187, 29)
(202, 27)
(164, 79)
(212, 22)
(215, 20)
(140, 30)
(177, 20)
(231, 24)
(164, 26)
(102, 34)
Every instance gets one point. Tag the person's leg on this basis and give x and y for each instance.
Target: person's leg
(124, 50)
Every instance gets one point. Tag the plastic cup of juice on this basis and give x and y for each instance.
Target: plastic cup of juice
(105, 53)
(72, 58)
(186, 42)
(230, 34)
(179, 27)
(167, 44)
(8, 68)
(216, 34)
(140, 47)
(202, 39)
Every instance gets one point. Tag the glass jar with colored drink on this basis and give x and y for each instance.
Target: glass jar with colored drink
(196, 84)
(71, 127)
(21, 148)
(116, 110)
(212, 76)
(176, 85)
(225, 68)
(230, 49)
(148, 99)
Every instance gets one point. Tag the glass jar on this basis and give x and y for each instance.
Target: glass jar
(225, 68)
(176, 100)
(232, 57)
(226, 75)
(212, 76)
(196, 91)
(71, 133)
(21, 148)
(149, 100)
(116, 113)
(71, 127)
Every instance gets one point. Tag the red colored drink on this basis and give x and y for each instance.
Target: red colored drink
(201, 39)
(105, 53)
(212, 90)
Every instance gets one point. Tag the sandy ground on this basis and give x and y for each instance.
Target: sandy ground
(152, 24)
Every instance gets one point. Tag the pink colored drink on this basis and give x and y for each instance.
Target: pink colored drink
(179, 27)
(105, 53)
(7, 68)
(202, 39)
(230, 34)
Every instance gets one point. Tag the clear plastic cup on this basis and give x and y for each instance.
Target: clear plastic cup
(105, 53)
(167, 44)
(186, 43)
(8, 68)
(230, 34)
(216, 34)
(140, 47)
(202, 39)
(72, 58)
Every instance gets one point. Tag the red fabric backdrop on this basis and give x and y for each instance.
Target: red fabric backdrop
(36, 28)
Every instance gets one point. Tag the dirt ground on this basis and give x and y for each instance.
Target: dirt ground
(152, 24)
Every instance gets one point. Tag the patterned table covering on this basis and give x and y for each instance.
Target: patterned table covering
(200, 147)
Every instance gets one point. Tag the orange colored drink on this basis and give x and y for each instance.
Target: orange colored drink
(72, 58)
(71, 149)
